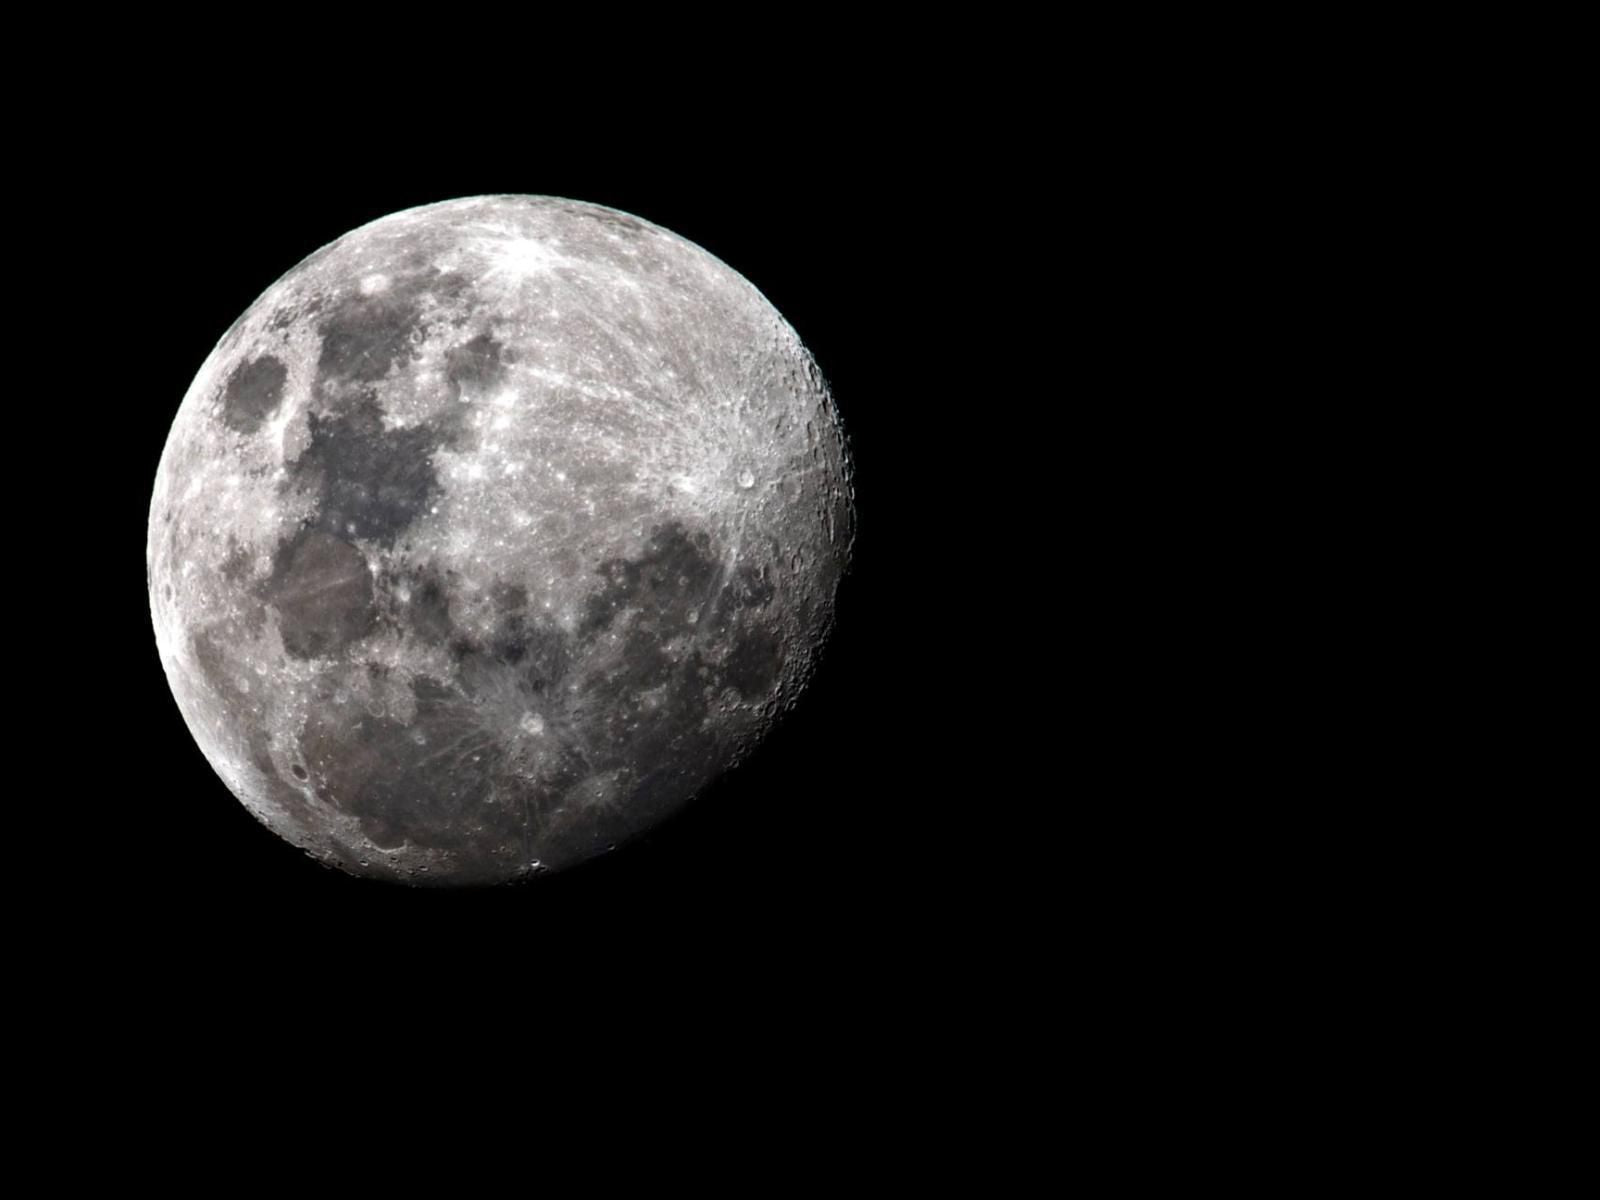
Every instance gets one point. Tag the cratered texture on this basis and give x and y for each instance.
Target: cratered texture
(490, 534)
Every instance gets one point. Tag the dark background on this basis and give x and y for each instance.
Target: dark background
(1068, 748)
(824, 849)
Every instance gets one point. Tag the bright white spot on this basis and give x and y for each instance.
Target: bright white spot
(374, 283)
(505, 399)
(746, 479)
(562, 476)
(533, 723)
(502, 422)
(525, 256)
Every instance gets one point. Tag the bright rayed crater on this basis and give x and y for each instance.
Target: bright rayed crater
(492, 533)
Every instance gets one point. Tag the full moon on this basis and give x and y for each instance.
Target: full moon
(491, 534)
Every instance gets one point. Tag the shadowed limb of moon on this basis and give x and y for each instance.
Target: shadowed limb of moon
(490, 534)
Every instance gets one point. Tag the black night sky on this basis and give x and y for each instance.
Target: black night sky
(1066, 791)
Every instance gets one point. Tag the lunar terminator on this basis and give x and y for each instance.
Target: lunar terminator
(491, 534)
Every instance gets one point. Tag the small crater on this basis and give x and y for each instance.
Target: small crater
(299, 771)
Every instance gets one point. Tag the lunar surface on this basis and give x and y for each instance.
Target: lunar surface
(490, 534)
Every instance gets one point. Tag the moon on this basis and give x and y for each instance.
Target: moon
(492, 533)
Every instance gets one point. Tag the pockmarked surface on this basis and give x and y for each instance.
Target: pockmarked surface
(490, 534)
